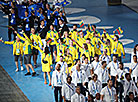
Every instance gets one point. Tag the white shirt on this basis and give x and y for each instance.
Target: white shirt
(103, 75)
(113, 68)
(79, 77)
(133, 55)
(58, 78)
(105, 58)
(94, 87)
(68, 90)
(121, 73)
(73, 68)
(96, 66)
(78, 98)
(134, 68)
(63, 66)
(86, 68)
(129, 87)
(109, 94)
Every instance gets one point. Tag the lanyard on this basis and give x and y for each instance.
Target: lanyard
(62, 64)
(58, 78)
(80, 74)
(70, 87)
(135, 66)
(103, 72)
(116, 46)
(96, 66)
(114, 65)
(122, 74)
(86, 67)
(16, 45)
(109, 91)
(128, 87)
(94, 86)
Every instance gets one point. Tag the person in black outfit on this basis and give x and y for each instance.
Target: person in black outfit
(62, 17)
(12, 13)
(62, 27)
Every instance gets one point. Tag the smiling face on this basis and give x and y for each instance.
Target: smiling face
(32, 30)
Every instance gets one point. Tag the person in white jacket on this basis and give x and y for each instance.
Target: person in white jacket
(78, 97)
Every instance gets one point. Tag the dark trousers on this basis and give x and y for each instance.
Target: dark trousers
(83, 89)
(28, 34)
(113, 80)
(11, 31)
(120, 90)
(57, 91)
(68, 101)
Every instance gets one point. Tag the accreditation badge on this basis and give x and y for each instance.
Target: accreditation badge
(18, 51)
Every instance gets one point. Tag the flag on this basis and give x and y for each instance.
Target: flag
(32, 8)
(21, 11)
(81, 23)
(90, 27)
(119, 30)
(39, 5)
(3, 3)
(65, 3)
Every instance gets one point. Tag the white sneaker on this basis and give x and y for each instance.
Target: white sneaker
(22, 68)
(17, 70)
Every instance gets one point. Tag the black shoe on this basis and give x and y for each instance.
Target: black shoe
(34, 73)
(28, 73)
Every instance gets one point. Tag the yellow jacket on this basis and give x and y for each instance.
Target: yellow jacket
(60, 51)
(74, 35)
(89, 34)
(36, 39)
(117, 47)
(97, 45)
(91, 49)
(106, 47)
(73, 51)
(81, 41)
(17, 47)
(52, 35)
(86, 52)
(66, 40)
(27, 45)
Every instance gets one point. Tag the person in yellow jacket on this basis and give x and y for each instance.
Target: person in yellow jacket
(73, 51)
(96, 43)
(27, 51)
(36, 39)
(106, 46)
(90, 47)
(17, 51)
(66, 38)
(74, 33)
(60, 49)
(46, 60)
(52, 34)
(80, 40)
(117, 47)
(68, 59)
(85, 51)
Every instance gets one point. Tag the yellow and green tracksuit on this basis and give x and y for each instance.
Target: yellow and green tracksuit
(17, 47)
(106, 47)
(97, 45)
(52, 35)
(48, 58)
(60, 51)
(117, 47)
(73, 51)
(36, 39)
